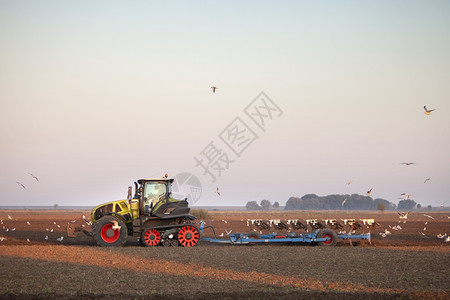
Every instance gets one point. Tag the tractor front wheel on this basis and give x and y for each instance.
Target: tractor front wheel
(328, 233)
(110, 231)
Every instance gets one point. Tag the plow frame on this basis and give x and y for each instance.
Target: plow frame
(312, 237)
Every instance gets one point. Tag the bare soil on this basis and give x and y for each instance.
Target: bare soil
(403, 265)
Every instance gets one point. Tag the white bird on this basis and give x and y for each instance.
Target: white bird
(221, 235)
(2, 239)
(58, 226)
(447, 239)
(34, 177)
(11, 218)
(28, 223)
(54, 223)
(343, 202)
(116, 225)
(406, 196)
(46, 237)
(14, 229)
(28, 240)
(403, 215)
(51, 230)
(1, 222)
(225, 221)
(428, 216)
(228, 232)
(441, 236)
(60, 239)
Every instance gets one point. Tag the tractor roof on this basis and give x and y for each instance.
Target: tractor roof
(140, 181)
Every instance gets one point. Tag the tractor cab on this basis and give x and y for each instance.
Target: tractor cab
(155, 198)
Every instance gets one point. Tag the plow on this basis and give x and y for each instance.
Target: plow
(157, 219)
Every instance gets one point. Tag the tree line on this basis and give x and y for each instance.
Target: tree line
(334, 202)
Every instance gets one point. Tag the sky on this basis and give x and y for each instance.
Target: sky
(311, 95)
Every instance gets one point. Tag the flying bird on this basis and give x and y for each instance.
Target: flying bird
(428, 111)
(369, 192)
(228, 232)
(349, 182)
(21, 185)
(428, 216)
(217, 191)
(214, 88)
(403, 215)
(428, 179)
(343, 202)
(37, 179)
(406, 196)
(408, 163)
(116, 225)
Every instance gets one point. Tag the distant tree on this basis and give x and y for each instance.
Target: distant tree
(381, 206)
(266, 205)
(276, 204)
(429, 207)
(55, 206)
(406, 204)
(419, 206)
(293, 203)
(252, 205)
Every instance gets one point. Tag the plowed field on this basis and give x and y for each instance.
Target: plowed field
(404, 264)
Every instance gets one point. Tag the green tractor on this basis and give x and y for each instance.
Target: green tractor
(151, 214)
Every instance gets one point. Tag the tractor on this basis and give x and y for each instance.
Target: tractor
(150, 214)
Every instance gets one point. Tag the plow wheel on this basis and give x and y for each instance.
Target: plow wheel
(150, 237)
(188, 236)
(110, 232)
(331, 234)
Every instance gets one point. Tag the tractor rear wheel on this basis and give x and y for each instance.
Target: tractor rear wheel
(331, 234)
(188, 236)
(110, 231)
(150, 237)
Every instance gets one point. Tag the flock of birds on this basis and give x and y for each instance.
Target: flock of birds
(50, 230)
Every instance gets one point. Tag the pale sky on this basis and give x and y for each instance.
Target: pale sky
(97, 94)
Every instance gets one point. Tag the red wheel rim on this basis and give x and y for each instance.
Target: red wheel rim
(109, 234)
(188, 236)
(152, 237)
(329, 241)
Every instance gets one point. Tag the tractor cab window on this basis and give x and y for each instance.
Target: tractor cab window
(154, 191)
